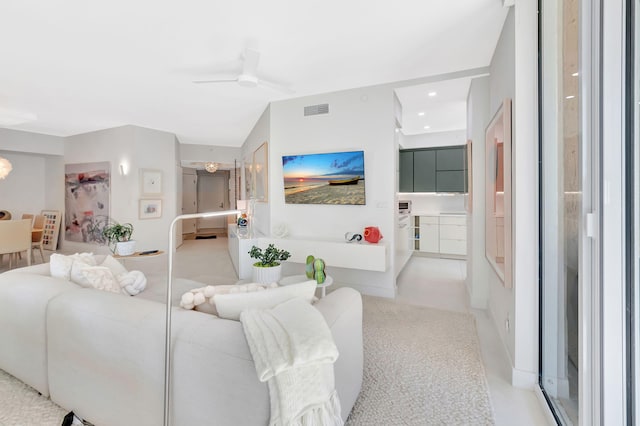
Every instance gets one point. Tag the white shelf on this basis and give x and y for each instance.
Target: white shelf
(336, 253)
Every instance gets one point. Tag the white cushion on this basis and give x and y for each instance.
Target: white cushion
(100, 278)
(230, 305)
(60, 265)
(116, 267)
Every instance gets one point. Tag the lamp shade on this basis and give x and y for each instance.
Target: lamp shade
(5, 167)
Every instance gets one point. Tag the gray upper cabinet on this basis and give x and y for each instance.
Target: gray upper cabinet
(406, 171)
(424, 171)
(441, 169)
(450, 159)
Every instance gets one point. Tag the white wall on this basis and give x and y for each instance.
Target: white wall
(260, 133)
(513, 74)
(36, 143)
(22, 191)
(478, 269)
(136, 148)
(501, 86)
(429, 140)
(525, 196)
(218, 154)
(358, 119)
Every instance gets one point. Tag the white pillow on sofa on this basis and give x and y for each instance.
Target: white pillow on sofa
(60, 265)
(100, 278)
(116, 267)
(230, 305)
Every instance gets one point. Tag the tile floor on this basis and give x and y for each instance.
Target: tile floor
(439, 283)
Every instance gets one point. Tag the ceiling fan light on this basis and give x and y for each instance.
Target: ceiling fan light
(211, 167)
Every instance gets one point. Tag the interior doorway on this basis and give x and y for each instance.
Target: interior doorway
(205, 192)
(212, 195)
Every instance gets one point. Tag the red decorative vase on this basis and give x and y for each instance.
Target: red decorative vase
(372, 234)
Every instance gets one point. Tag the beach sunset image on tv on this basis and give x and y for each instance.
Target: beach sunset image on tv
(332, 178)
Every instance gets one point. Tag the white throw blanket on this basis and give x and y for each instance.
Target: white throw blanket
(293, 351)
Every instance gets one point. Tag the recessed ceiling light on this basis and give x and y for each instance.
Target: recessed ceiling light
(570, 97)
(427, 127)
(421, 114)
(575, 74)
(432, 94)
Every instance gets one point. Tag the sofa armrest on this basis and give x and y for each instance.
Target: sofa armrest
(23, 304)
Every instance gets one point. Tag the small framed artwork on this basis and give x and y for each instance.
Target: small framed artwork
(261, 173)
(150, 182)
(150, 209)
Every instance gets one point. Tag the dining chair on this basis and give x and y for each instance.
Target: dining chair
(37, 235)
(25, 216)
(15, 237)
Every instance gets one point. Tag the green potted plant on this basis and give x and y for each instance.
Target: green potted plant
(118, 236)
(268, 268)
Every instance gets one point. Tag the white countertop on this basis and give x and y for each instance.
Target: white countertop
(432, 213)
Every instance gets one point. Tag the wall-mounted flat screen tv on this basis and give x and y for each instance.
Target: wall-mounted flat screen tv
(330, 178)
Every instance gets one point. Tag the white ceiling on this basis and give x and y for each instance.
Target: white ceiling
(84, 65)
(444, 111)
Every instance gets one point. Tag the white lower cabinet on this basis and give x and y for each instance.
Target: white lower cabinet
(443, 234)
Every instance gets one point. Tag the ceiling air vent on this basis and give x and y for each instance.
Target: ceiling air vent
(316, 109)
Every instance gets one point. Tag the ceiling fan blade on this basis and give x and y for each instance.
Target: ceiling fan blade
(251, 59)
(276, 86)
(216, 80)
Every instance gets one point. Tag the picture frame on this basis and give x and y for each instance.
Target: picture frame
(150, 182)
(150, 209)
(261, 173)
(248, 179)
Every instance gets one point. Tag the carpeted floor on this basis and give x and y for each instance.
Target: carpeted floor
(21, 405)
(422, 366)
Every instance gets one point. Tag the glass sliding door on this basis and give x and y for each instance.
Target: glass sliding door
(561, 208)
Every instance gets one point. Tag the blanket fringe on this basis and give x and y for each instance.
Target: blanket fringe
(327, 414)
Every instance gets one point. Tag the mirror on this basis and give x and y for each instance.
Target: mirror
(498, 193)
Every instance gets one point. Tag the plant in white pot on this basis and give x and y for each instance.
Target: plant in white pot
(268, 268)
(118, 236)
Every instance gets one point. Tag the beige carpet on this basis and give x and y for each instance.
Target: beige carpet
(422, 366)
(21, 405)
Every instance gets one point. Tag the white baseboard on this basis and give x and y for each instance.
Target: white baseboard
(523, 379)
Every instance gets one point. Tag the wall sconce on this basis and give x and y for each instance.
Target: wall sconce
(5, 168)
(124, 169)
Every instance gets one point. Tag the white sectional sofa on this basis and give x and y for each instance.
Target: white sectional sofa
(101, 354)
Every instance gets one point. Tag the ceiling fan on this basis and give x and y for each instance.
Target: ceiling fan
(248, 77)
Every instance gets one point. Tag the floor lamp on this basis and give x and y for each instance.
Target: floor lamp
(167, 343)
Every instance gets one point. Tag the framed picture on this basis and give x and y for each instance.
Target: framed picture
(150, 182)
(261, 173)
(87, 200)
(150, 209)
(248, 180)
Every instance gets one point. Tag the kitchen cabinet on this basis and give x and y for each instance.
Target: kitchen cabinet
(442, 169)
(429, 234)
(442, 235)
(453, 234)
(406, 171)
(424, 171)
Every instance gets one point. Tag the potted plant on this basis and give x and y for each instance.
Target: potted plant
(118, 236)
(268, 268)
